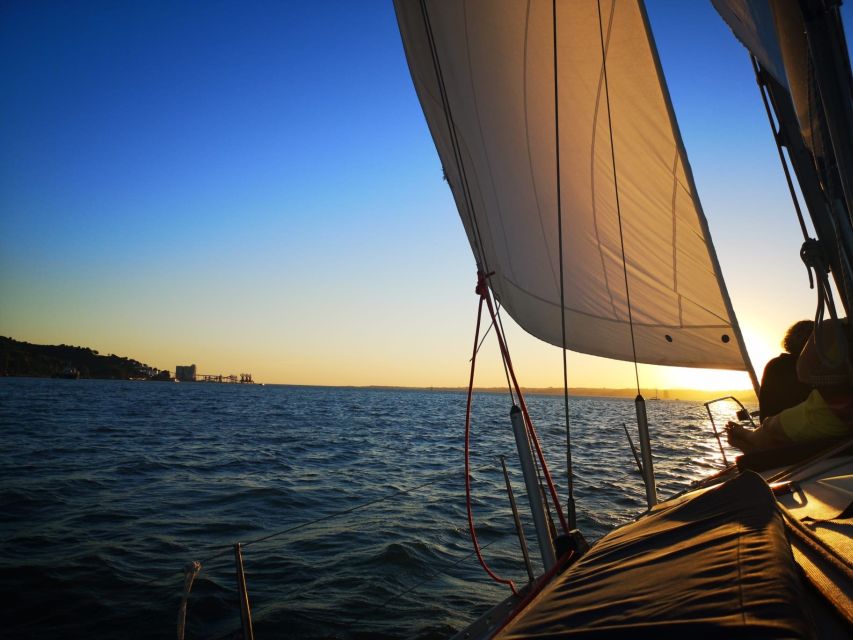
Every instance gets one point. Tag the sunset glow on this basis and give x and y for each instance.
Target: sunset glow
(297, 225)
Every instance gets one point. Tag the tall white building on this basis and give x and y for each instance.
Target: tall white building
(185, 373)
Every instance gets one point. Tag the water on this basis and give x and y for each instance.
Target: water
(108, 488)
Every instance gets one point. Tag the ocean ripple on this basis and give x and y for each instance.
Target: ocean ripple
(108, 489)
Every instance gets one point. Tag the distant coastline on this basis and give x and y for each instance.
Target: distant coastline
(59, 361)
(24, 359)
(689, 395)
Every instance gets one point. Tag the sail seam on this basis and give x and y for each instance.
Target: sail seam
(529, 150)
(616, 187)
(674, 223)
(588, 314)
(700, 214)
(593, 200)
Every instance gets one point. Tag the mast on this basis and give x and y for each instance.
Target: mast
(831, 69)
(803, 68)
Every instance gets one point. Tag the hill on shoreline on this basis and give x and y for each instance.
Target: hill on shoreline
(46, 361)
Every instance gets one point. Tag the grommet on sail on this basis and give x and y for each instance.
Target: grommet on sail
(484, 73)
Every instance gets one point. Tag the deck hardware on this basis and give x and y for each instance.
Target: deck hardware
(742, 414)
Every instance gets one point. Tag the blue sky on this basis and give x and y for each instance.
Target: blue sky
(252, 186)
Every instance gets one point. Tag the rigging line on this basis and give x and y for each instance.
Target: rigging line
(776, 137)
(454, 140)
(616, 187)
(503, 333)
(777, 133)
(531, 430)
(825, 295)
(479, 346)
(570, 500)
(485, 335)
(468, 505)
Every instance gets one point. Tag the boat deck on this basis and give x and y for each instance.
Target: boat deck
(742, 555)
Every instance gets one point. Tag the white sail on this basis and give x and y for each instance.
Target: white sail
(484, 73)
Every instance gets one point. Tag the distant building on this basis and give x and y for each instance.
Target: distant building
(185, 373)
(147, 372)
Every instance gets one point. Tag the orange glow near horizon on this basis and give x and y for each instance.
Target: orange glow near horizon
(312, 353)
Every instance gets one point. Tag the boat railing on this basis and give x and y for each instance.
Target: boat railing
(192, 569)
(743, 415)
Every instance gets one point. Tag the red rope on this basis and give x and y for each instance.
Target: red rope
(483, 291)
(493, 575)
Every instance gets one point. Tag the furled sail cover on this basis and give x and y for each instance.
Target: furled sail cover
(484, 73)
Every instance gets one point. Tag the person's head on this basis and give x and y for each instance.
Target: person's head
(825, 358)
(795, 338)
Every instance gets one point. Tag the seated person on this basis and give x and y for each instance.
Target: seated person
(780, 387)
(827, 412)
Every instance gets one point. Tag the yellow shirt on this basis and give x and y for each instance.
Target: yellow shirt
(812, 419)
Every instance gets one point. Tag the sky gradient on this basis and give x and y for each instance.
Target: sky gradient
(252, 187)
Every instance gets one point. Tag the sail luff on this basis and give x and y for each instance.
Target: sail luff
(703, 221)
(477, 242)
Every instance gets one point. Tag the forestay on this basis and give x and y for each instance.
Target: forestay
(484, 73)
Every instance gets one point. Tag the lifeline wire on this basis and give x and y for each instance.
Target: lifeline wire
(302, 525)
(616, 183)
(343, 512)
(433, 574)
(570, 501)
